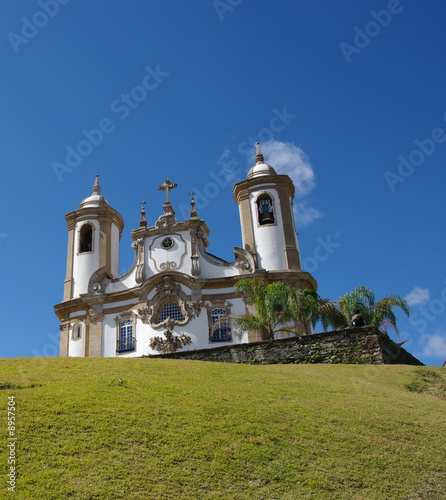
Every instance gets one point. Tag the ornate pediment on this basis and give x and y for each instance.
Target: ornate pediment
(169, 306)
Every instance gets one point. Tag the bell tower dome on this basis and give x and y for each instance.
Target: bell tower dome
(94, 231)
(266, 213)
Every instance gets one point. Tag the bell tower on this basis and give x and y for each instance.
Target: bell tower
(94, 231)
(266, 213)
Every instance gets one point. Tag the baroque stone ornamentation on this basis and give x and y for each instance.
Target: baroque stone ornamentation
(140, 273)
(145, 313)
(166, 292)
(245, 261)
(171, 342)
(167, 266)
(194, 306)
(194, 257)
(168, 287)
(165, 222)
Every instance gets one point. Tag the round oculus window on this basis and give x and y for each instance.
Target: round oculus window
(167, 243)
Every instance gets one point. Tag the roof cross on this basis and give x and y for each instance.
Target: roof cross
(167, 186)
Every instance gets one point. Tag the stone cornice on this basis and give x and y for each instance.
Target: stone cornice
(298, 279)
(94, 213)
(243, 188)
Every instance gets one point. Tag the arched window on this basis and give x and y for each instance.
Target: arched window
(170, 310)
(86, 238)
(220, 330)
(265, 209)
(126, 340)
(77, 331)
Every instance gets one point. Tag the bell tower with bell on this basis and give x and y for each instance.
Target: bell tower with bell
(94, 231)
(266, 213)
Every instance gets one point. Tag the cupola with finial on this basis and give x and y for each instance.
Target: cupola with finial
(266, 214)
(94, 231)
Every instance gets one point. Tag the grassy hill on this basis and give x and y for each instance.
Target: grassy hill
(169, 429)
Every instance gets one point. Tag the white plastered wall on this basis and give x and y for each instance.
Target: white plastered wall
(85, 264)
(269, 238)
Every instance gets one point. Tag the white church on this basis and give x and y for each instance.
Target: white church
(176, 295)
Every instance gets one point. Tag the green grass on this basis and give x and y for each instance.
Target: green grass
(93, 429)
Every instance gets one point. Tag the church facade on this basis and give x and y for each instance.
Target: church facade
(176, 295)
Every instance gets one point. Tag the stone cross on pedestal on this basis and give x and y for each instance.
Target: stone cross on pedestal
(167, 186)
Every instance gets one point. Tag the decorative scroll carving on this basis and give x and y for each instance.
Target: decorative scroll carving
(245, 261)
(170, 291)
(140, 267)
(168, 287)
(171, 342)
(194, 306)
(195, 264)
(145, 313)
(98, 282)
(165, 222)
(167, 266)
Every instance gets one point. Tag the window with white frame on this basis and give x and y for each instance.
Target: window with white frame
(220, 330)
(126, 340)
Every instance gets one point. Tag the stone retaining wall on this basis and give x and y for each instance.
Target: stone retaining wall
(351, 345)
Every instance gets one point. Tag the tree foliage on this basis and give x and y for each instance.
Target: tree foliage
(307, 308)
(380, 314)
(279, 307)
(270, 304)
(282, 308)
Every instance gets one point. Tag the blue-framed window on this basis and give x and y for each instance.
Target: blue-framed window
(170, 310)
(126, 340)
(220, 329)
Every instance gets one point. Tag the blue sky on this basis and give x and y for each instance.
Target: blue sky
(348, 97)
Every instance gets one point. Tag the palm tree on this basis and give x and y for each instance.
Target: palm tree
(271, 307)
(307, 308)
(278, 306)
(380, 314)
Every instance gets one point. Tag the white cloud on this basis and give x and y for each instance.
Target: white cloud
(434, 345)
(306, 215)
(418, 296)
(286, 158)
(289, 159)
